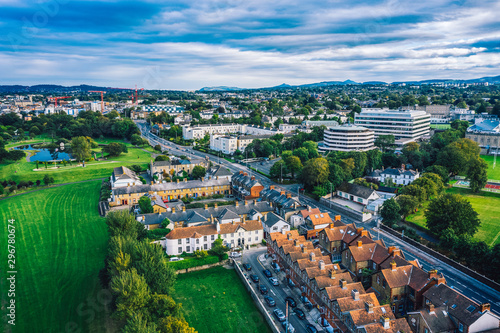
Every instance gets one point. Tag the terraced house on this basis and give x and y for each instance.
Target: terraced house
(130, 195)
(174, 167)
(245, 187)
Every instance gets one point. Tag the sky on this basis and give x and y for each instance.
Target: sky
(187, 45)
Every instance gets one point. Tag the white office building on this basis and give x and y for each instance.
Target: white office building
(347, 138)
(226, 144)
(405, 125)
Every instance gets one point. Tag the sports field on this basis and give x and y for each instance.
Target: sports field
(493, 173)
(485, 203)
(60, 248)
(215, 300)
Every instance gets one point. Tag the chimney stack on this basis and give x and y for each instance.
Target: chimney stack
(433, 274)
(369, 307)
(217, 225)
(391, 249)
(282, 192)
(360, 244)
(343, 284)
(185, 180)
(254, 201)
(331, 274)
(332, 226)
(202, 179)
(430, 308)
(183, 208)
(312, 256)
(252, 178)
(308, 208)
(338, 218)
(358, 230)
(484, 307)
(355, 294)
(296, 242)
(245, 174)
(152, 182)
(364, 233)
(288, 195)
(246, 203)
(289, 236)
(173, 210)
(241, 172)
(393, 265)
(441, 279)
(321, 265)
(236, 203)
(304, 249)
(215, 205)
(177, 180)
(271, 187)
(206, 206)
(386, 322)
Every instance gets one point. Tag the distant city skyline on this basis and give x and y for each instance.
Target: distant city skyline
(186, 45)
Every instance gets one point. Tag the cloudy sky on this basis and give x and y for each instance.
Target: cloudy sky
(192, 44)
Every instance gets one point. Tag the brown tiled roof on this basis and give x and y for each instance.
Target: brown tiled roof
(438, 320)
(305, 263)
(278, 235)
(190, 232)
(228, 228)
(320, 218)
(397, 259)
(315, 271)
(395, 326)
(406, 275)
(305, 213)
(371, 251)
(336, 292)
(348, 303)
(362, 317)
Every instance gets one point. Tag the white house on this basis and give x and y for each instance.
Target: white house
(357, 193)
(399, 176)
(298, 219)
(123, 177)
(274, 223)
(202, 237)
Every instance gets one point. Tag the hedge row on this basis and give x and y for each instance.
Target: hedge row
(194, 262)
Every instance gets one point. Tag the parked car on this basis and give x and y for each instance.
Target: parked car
(311, 329)
(279, 314)
(325, 324)
(291, 302)
(255, 278)
(275, 267)
(235, 255)
(176, 259)
(263, 289)
(270, 301)
(300, 314)
(290, 283)
(274, 281)
(248, 267)
(307, 304)
(267, 273)
(291, 329)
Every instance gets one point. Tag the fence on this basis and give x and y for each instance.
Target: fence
(256, 299)
(443, 258)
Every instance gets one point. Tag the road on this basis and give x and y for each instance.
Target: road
(468, 286)
(278, 293)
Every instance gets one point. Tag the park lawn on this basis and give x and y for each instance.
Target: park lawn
(61, 245)
(487, 205)
(23, 170)
(215, 300)
(492, 173)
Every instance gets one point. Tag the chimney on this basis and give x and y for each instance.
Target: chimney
(236, 203)
(332, 226)
(393, 265)
(355, 294)
(312, 256)
(283, 231)
(206, 206)
(233, 222)
(386, 322)
(433, 274)
(282, 192)
(245, 174)
(183, 208)
(173, 210)
(338, 218)
(152, 182)
(271, 187)
(331, 274)
(364, 233)
(243, 218)
(217, 225)
(369, 307)
(358, 230)
(296, 242)
(343, 283)
(321, 265)
(202, 179)
(484, 307)
(271, 204)
(241, 172)
(289, 236)
(360, 244)
(396, 252)
(441, 280)
(254, 201)
(288, 195)
(246, 203)
(128, 184)
(217, 177)
(430, 308)
(258, 219)
(308, 208)
(185, 180)
(212, 219)
(215, 205)
(391, 249)
(252, 178)
(177, 180)
(304, 249)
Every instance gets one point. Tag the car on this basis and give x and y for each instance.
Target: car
(286, 324)
(311, 329)
(248, 267)
(279, 314)
(274, 281)
(300, 314)
(176, 259)
(275, 267)
(290, 301)
(325, 324)
(263, 289)
(270, 301)
(235, 255)
(255, 278)
(307, 304)
(267, 273)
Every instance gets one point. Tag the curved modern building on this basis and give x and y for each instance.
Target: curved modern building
(347, 138)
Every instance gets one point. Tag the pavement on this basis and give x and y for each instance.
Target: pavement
(256, 257)
(465, 284)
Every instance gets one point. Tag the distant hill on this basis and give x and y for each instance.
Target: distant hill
(51, 88)
(220, 88)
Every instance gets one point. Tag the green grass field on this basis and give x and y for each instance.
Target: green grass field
(487, 205)
(23, 170)
(215, 300)
(60, 247)
(492, 173)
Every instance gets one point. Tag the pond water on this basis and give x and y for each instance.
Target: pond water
(46, 154)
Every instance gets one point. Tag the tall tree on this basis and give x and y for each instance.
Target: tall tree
(385, 142)
(407, 204)
(80, 148)
(198, 172)
(302, 153)
(131, 292)
(137, 323)
(145, 205)
(293, 165)
(454, 212)
(390, 212)
(477, 174)
(315, 171)
(122, 223)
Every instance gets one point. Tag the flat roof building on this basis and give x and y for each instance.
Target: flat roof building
(347, 138)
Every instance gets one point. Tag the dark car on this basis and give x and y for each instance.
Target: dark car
(254, 278)
(267, 273)
(263, 289)
(291, 301)
(270, 301)
(248, 267)
(311, 329)
(300, 314)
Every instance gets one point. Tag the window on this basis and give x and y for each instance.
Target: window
(256, 232)
(197, 241)
(256, 238)
(204, 238)
(360, 270)
(374, 266)
(179, 241)
(205, 246)
(188, 248)
(378, 279)
(232, 235)
(384, 284)
(426, 330)
(249, 239)
(395, 298)
(393, 308)
(213, 237)
(179, 250)
(460, 327)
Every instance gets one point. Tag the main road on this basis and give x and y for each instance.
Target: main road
(456, 279)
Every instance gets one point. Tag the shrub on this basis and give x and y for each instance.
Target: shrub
(193, 262)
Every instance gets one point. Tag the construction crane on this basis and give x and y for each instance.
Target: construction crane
(132, 96)
(102, 98)
(55, 99)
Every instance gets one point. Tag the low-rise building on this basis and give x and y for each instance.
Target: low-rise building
(274, 223)
(245, 187)
(486, 134)
(224, 143)
(123, 177)
(174, 167)
(399, 176)
(357, 193)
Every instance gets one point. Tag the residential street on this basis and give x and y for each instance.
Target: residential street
(468, 286)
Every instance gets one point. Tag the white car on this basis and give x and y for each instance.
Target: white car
(176, 259)
(235, 255)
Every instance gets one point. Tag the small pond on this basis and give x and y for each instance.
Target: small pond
(46, 154)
